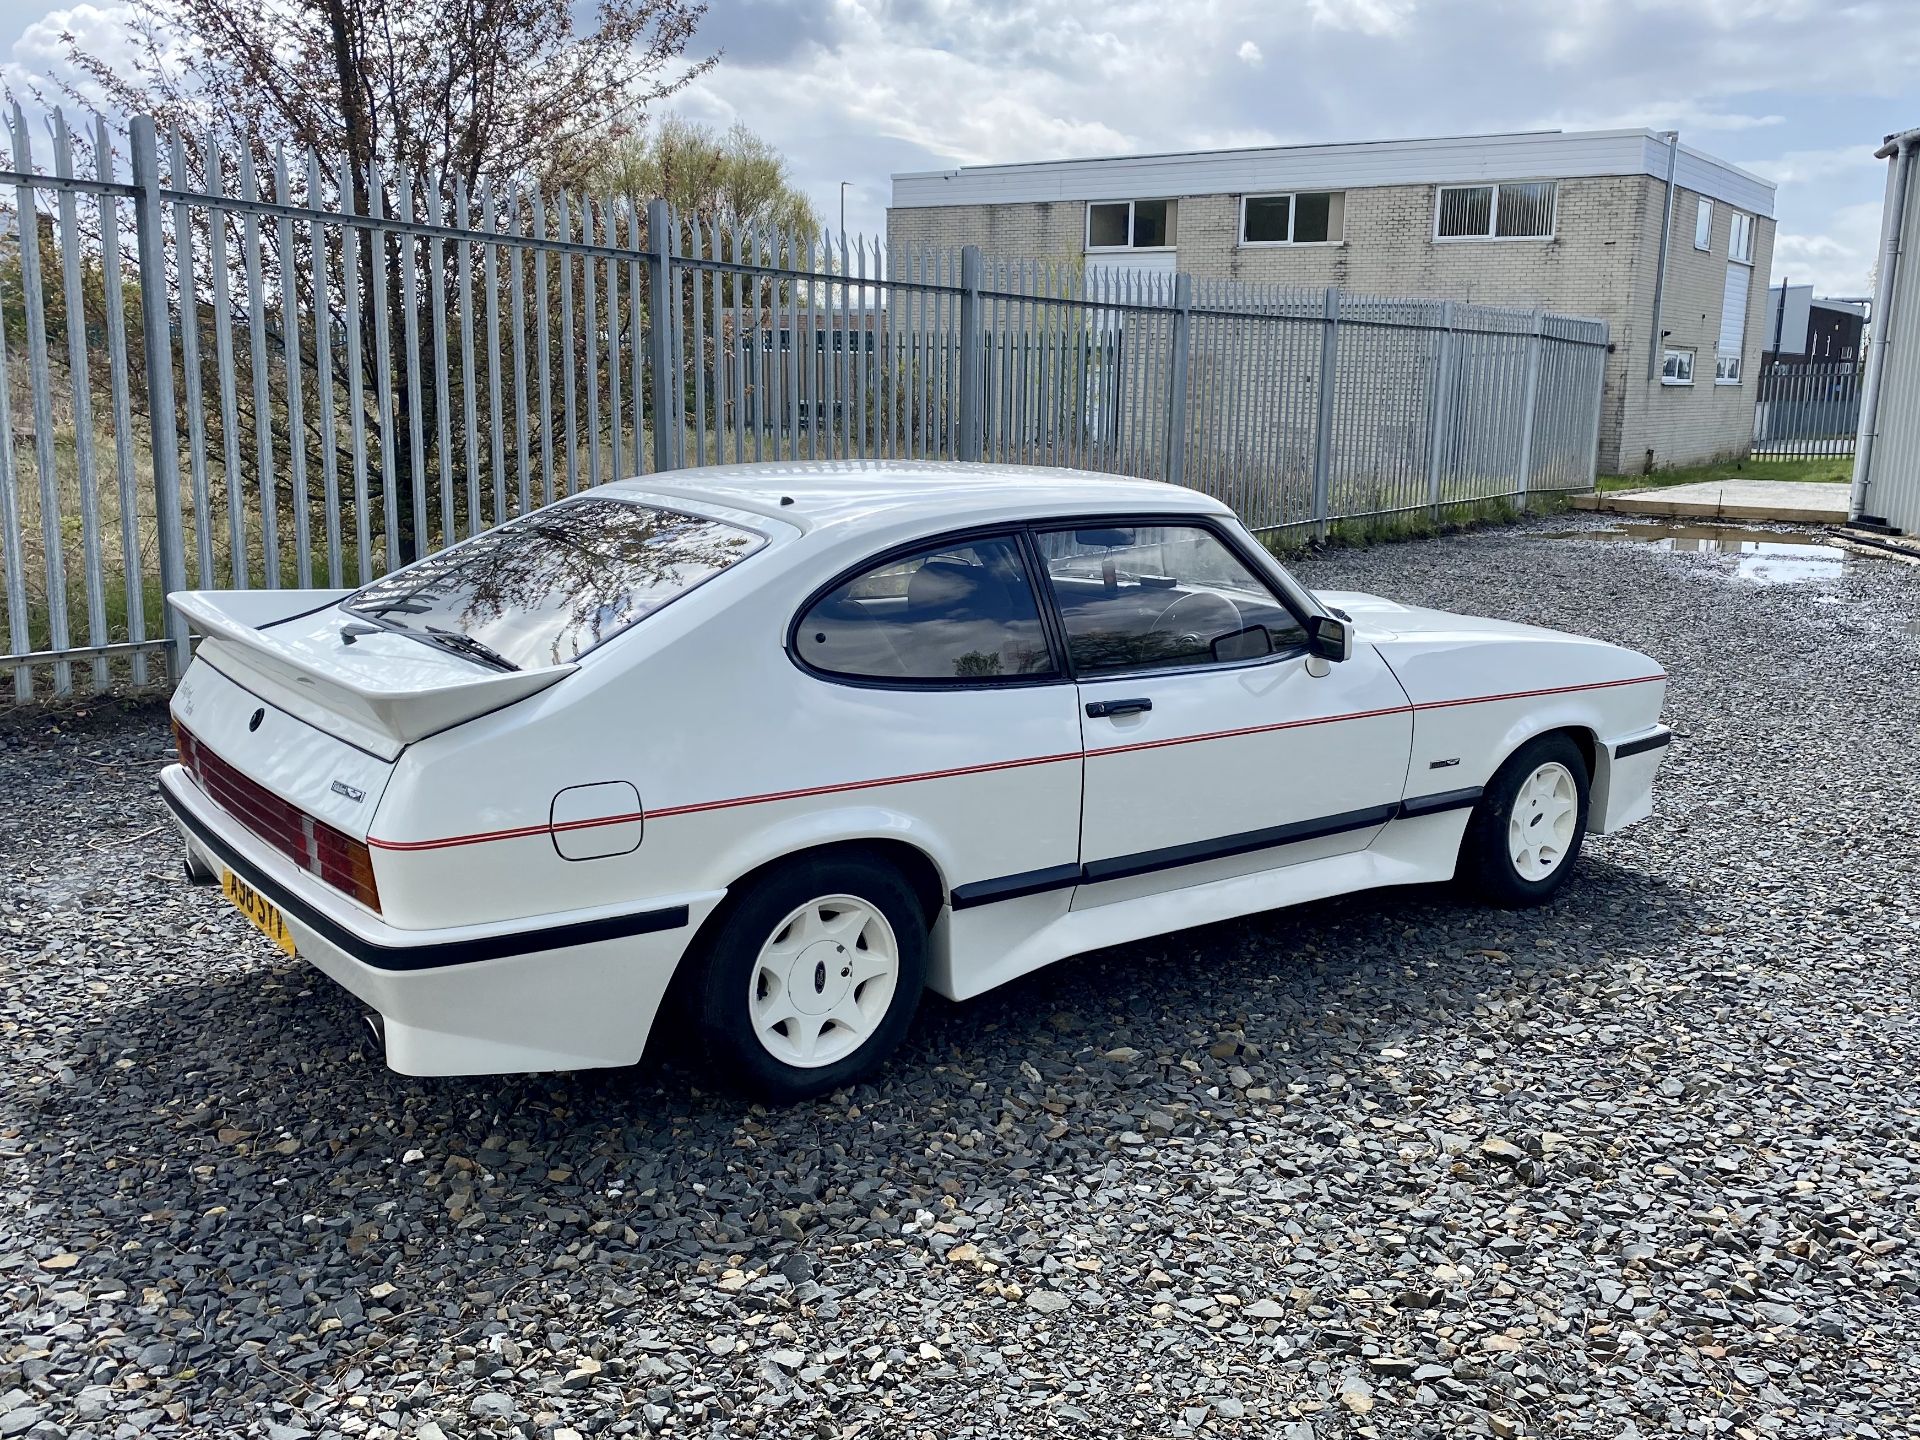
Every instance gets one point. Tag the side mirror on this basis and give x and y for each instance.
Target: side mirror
(1248, 644)
(1329, 638)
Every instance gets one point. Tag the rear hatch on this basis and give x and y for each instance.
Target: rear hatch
(376, 689)
(307, 698)
(297, 742)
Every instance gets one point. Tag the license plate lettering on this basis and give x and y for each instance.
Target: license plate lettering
(263, 914)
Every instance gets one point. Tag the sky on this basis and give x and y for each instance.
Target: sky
(1798, 91)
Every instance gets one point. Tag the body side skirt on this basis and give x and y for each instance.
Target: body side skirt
(1172, 857)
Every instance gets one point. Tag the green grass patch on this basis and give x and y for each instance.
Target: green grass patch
(1412, 525)
(1827, 470)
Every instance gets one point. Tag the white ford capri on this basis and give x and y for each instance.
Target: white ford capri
(772, 748)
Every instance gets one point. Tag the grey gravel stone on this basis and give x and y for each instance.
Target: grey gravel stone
(1698, 1055)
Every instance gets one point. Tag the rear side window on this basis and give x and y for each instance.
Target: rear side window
(546, 588)
(1142, 597)
(954, 613)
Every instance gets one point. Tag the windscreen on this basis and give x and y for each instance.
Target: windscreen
(548, 587)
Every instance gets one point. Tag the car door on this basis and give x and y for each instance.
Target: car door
(933, 668)
(1214, 745)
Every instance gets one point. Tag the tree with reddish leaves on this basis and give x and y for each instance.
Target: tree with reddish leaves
(462, 94)
(462, 89)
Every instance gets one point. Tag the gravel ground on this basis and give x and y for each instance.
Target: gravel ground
(1643, 1162)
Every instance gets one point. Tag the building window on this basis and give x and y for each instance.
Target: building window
(1312, 217)
(1740, 239)
(1726, 370)
(1130, 225)
(1703, 226)
(1512, 210)
(1677, 369)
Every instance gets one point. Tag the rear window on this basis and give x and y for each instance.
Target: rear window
(548, 587)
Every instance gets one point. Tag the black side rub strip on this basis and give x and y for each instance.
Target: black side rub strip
(1416, 805)
(1012, 887)
(444, 953)
(1641, 746)
(1145, 862)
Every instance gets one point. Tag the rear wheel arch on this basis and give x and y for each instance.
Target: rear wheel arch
(914, 864)
(899, 881)
(922, 875)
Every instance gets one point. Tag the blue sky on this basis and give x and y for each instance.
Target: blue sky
(1797, 90)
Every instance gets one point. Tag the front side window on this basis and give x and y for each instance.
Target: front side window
(1307, 218)
(1130, 225)
(955, 613)
(1143, 597)
(1511, 210)
(548, 587)
(1677, 368)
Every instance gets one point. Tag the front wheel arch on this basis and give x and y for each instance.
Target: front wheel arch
(1485, 865)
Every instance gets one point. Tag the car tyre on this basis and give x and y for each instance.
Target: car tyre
(810, 979)
(1524, 836)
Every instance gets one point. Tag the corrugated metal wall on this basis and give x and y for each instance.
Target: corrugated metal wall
(1887, 470)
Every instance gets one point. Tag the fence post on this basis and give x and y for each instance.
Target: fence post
(1599, 407)
(663, 353)
(970, 442)
(156, 323)
(1323, 419)
(1174, 461)
(1526, 416)
(1442, 408)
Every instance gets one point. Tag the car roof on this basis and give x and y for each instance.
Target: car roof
(891, 493)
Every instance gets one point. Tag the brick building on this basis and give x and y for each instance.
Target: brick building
(1565, 221)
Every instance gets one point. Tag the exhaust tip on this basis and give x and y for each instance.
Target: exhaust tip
(377, 1023)
(197, 871)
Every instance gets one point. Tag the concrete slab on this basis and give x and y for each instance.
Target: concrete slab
(1794, 501)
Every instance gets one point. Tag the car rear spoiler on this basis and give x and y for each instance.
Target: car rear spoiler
(357, 704)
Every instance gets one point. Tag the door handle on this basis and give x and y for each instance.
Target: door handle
(1108, 708)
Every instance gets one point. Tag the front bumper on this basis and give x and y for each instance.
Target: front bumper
(559, 992)
(1627, 795)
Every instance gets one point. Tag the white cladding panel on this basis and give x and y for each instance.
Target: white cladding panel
(1733, 309)
(1539, 155)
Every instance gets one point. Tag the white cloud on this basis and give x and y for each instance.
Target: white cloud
(1839, 258)
(1798, 90)
(1368, 17)
(38, 60)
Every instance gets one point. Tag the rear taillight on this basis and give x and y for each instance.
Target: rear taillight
(334, 858)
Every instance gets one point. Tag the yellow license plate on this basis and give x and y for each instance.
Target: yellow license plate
(264, 914)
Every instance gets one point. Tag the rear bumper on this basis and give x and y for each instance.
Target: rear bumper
(1627, 795)
(560, 992)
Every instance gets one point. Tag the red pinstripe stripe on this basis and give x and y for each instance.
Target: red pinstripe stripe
(698, 807)
(1529, 694)
(861, 785)
(517, 833)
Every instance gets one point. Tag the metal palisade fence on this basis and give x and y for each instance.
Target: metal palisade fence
(215, 373)
(1807, 411)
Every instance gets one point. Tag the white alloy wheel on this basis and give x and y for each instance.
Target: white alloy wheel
(1545, 812)
(823, 981)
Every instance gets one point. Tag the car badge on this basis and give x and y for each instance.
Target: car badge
(340, 787)
(258, 716)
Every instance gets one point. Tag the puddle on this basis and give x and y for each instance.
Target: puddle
(1768, 557)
